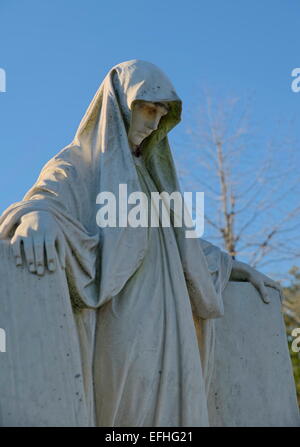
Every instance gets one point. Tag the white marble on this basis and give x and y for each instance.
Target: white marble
(43, 382)
(100, 331)
(41, 378)
(252, 384)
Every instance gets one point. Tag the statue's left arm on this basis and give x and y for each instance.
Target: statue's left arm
(223, 268)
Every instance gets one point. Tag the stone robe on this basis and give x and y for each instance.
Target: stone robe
(144, 299)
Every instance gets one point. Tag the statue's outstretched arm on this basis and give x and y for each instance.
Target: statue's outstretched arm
(239, 271)
(244, 272)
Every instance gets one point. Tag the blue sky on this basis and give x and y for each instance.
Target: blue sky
(56, 53)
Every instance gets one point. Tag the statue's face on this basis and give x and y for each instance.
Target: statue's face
(145, 118)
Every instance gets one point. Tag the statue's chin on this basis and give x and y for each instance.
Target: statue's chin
(135, 142)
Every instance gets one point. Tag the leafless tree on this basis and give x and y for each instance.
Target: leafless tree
(251, 181)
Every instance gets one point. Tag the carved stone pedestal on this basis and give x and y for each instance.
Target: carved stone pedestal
(41, 381)
(41, 377)
(253, 383)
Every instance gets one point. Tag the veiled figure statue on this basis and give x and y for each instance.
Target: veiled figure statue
(112, 326)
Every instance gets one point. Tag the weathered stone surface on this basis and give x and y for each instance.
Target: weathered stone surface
(252, 383)
(41, 381)
(133, 346)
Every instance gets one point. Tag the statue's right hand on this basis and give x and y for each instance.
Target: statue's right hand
(41, 238)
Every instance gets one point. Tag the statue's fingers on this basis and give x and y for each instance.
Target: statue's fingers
(29, 253)
(61, 247)
(272, 284)
(275, 286)
(50, 253)
(38, 248)
(16, 249)
(262, 291)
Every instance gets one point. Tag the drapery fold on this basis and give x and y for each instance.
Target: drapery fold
(99, 261)
(99, 159)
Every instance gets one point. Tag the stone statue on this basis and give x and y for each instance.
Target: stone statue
(144, 300)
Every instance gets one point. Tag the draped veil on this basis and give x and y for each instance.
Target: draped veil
(99, 262)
